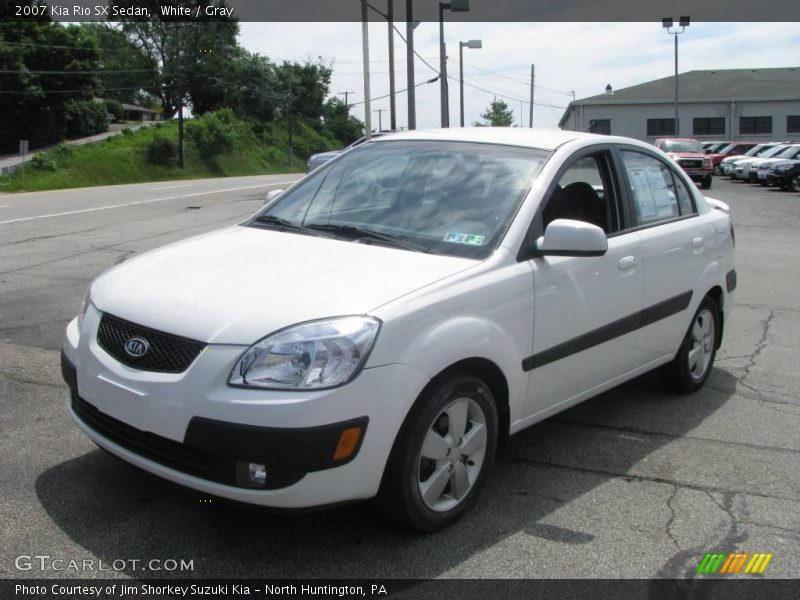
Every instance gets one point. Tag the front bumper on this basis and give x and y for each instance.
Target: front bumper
(194, 429)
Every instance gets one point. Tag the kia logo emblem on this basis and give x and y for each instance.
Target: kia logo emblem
(137, 347)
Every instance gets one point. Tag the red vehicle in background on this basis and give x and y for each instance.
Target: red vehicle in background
(732, 149)
(689, 154)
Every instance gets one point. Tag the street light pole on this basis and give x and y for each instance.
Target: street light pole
(380, 112)
(392, 107)
(461, 46)
(667, 23)
(454, 6)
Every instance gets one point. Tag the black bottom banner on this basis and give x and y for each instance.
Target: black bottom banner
(411, 589)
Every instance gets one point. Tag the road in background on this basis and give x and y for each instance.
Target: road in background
(638, 482)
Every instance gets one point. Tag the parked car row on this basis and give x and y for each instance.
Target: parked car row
(771, 163)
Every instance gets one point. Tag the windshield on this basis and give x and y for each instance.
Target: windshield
(683, 146)
(451, 198)
(788, 152)
(758, 150)
(776, 151)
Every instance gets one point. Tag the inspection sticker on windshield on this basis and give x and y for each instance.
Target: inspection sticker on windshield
(464, 238)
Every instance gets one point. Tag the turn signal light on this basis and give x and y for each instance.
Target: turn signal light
(348, 442)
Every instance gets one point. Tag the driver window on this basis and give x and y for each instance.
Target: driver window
(584, 193)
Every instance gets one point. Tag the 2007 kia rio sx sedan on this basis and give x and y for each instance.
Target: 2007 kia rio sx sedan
(378, 328)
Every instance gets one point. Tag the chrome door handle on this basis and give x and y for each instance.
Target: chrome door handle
(627, 263)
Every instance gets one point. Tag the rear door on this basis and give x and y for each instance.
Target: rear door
(676, 243)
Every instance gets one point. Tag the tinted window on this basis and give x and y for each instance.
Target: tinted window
(660, 127)
(708, 126)
(749, 125)
(450, 198)
(681, 146)
(600, 126)
(657, 195)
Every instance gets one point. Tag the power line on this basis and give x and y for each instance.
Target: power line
(433, 80)
(48, 92)
(98, 72)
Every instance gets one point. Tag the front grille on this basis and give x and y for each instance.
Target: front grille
(691, 164)
(167, 353)
(205, 464)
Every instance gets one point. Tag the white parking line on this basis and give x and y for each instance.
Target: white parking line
(88, 210)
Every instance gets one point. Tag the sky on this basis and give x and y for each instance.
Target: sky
(579, 57)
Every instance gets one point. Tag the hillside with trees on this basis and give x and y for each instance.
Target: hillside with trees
(59, 82)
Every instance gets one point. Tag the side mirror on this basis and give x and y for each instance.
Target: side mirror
(271, 195)
(566, 237)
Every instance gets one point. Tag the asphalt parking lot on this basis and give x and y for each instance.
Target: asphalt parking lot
(636, 483)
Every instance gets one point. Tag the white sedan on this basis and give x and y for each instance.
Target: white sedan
(376, 330)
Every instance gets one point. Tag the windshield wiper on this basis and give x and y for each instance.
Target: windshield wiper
(356, 232)
(281, 223)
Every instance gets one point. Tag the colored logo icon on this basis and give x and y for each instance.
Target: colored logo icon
(721, 563)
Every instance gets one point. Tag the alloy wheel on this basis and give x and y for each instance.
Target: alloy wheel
(452, 454)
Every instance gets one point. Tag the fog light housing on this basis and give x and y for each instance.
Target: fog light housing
(251, 474)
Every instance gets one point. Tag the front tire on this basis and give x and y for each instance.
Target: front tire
(706, 183)
(795, 184)
(691, 367)
(442, 455)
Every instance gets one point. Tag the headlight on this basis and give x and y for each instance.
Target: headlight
(314, 355)
(706, 163)
(782, 168)
(87, 300)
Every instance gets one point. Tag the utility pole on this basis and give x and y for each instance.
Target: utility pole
(380, 112)
(412, 110)
(345, 94)
(392, 107)
(443, 94)
(290, 99)
(365, 52)
(530, 108)
(181, 144)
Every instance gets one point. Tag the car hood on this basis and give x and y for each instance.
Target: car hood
(237, 285)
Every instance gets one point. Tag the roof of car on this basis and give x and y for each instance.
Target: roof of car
(544, 139)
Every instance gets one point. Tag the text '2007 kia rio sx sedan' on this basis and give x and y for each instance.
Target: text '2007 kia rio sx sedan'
(378, 328)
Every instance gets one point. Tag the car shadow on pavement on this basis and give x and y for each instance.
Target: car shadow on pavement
(116, 511)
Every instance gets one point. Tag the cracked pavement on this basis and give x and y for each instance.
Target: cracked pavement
(636, 483)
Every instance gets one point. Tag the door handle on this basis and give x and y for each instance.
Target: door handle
(697, 243)
(627, 263)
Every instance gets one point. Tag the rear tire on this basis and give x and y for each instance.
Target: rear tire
(442, 455)
(691, 366)
(795, 184)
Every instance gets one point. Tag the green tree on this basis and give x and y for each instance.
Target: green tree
(497, 115)
(43, 67)
(189, 56)
(340, 124)
(127, 73)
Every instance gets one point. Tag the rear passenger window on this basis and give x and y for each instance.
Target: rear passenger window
(657, 194)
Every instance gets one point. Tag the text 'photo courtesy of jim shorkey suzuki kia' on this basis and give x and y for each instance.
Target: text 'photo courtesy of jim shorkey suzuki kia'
(379, 328)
